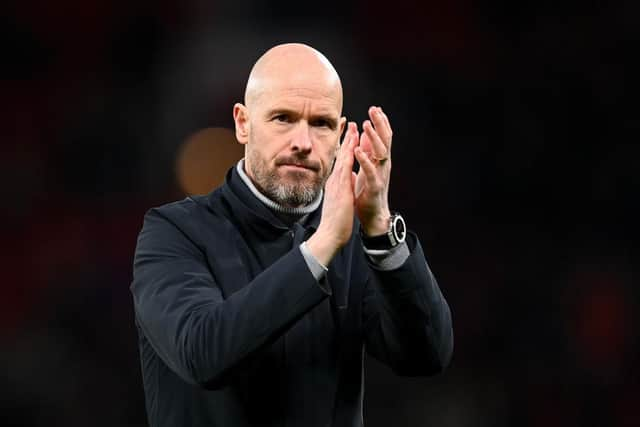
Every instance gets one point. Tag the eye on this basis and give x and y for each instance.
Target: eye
(322, 123)
(283, 118)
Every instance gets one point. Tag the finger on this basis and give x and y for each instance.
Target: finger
(350, 135)
(360, 178)
(353, 130)
(348, 160)
(378, 147)
(388, 128)
(381, 124)
(352, 140)
(383, 116)
(345, 157)
(347, 133)
(369, 169)
(386, 120)
(365, 143)
(337, 166)
(353, 181)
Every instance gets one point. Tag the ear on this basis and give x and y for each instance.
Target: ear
(241, 119)
(342, 125)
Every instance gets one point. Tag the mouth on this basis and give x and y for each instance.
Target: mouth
(297, 167)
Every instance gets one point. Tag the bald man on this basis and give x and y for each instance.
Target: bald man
(255, 303)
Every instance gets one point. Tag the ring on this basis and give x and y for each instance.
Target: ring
(381, 160)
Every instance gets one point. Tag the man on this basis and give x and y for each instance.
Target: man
(255, 303)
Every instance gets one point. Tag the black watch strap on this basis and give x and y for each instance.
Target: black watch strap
(393, 237)
(381, 242)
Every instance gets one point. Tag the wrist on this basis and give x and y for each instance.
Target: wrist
(378, 225)
(323, 247)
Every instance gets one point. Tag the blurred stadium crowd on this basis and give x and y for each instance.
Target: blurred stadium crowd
(515, 160)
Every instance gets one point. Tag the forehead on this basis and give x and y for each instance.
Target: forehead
(302, 99)
(301, 93)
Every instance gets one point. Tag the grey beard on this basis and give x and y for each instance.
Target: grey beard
(290, 195)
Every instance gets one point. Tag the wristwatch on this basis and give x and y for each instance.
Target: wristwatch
(395, 235)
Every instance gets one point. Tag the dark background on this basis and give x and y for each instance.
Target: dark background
(515, 152)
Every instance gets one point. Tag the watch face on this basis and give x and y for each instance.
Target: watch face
(399, 229)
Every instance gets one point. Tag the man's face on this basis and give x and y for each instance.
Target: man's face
(294, 132)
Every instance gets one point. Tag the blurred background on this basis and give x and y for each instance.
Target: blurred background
(515, 160)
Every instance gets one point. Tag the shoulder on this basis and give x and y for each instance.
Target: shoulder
(178, 208)
(191, 221)
(188, 214)
(187, 208)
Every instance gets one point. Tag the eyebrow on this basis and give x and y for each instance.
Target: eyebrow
(333, 122)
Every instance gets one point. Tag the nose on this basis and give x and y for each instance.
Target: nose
(301, 139)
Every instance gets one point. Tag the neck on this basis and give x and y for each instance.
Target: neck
(277, 207)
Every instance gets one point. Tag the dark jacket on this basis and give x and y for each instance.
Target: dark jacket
(235, 331)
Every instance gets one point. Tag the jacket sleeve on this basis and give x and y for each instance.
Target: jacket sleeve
(200, 335)
(407, 321)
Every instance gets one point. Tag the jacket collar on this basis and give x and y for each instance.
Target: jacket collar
(245, 208)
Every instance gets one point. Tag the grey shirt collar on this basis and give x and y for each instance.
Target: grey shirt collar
(270, 203)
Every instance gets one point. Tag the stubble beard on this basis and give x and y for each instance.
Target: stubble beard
(294, 191)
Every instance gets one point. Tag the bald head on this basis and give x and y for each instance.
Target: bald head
(292, 66)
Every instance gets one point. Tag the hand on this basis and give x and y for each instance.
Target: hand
(336, 224)
(372, 182)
